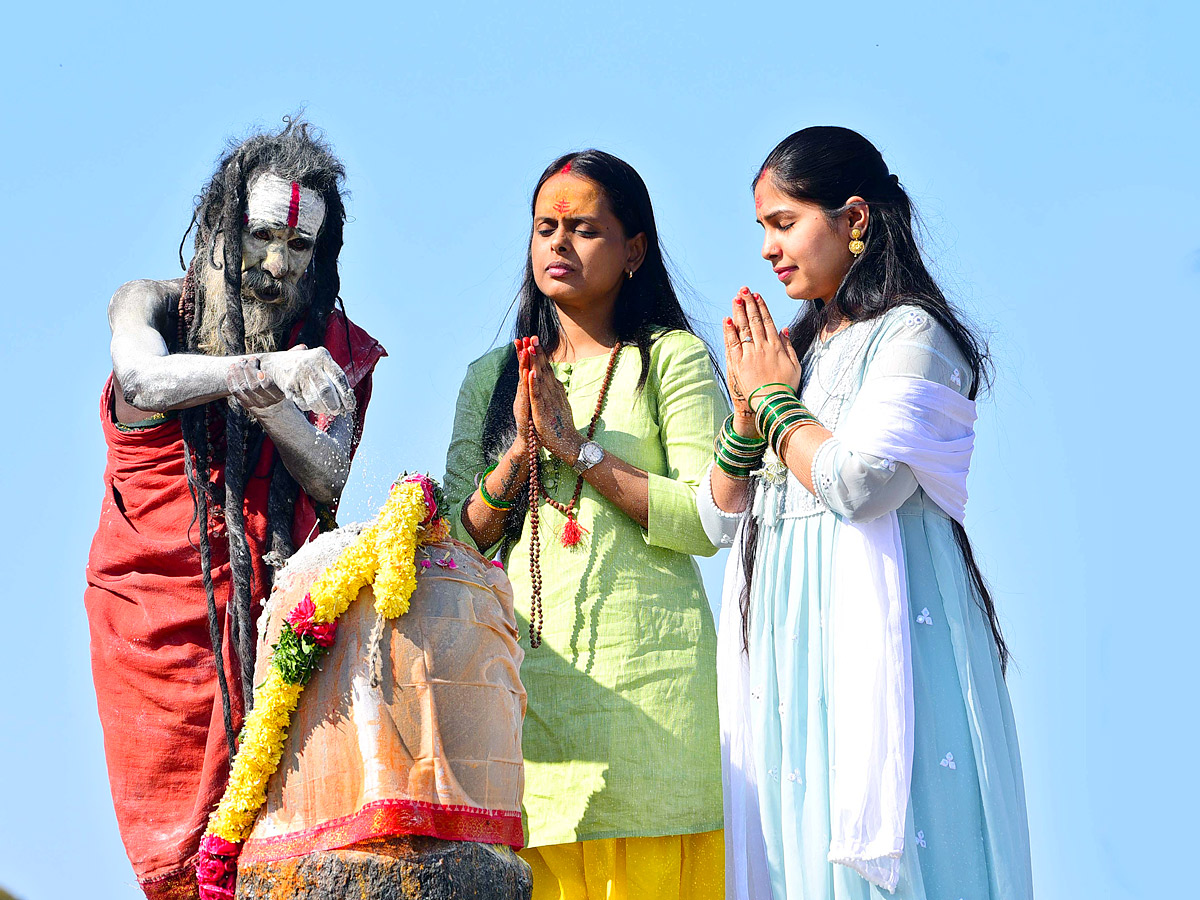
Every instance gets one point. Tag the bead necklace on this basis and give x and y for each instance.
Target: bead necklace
(572, 531)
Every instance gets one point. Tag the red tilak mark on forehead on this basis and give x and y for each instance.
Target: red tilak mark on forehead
(758, 202)
(565, 169)
(562, 207)
(294, 206)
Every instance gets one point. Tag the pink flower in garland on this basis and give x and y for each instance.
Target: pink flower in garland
(216, 868)
(324, 633)
(301, 620)
(302, 615)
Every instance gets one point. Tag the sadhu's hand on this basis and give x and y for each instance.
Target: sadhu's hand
(760, 354)
(251, 386)
(310, 379)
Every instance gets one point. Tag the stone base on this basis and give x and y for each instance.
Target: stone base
(403, 868)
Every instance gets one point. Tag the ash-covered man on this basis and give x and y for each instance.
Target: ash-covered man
(234, 409)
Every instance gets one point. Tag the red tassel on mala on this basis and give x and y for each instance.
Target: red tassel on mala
(571, 532)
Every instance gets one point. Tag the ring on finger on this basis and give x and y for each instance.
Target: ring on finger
(749, 339)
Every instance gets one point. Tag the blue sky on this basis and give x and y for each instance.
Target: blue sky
(1051, 148)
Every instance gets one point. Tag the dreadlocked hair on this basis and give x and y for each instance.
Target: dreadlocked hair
(296, 153)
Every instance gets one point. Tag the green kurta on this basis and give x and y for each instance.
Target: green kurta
(621, 735)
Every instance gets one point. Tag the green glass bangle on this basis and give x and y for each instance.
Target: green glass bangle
(498, 505)
(739, 461)
(741, 455)
(786, 418)
(736, 440)
(786, 436)
(780, 384)
(727, 462)
(736, 453)
(748, 452)
(782, 427)
(757, 447)
(752, 462)
(775, 399)
(769, 419)
(773, 408)
(785, 425)
(738, 473)
(773, 405)
(783, 431)
(779, 399)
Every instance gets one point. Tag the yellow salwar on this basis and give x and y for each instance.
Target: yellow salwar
(674, 867)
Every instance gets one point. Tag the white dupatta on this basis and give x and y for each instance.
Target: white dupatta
(930, 428)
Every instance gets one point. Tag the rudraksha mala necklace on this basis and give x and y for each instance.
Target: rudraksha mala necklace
(572, 531)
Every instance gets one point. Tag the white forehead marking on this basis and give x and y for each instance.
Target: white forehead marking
(284, 204)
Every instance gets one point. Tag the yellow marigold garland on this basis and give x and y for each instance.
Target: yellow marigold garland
(335, 589)
(383, 555)
(257, 758)
(396, 550)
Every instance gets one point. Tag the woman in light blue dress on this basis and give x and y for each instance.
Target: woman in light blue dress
(868, 741)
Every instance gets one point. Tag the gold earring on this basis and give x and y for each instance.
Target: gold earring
(629, 274)
(856, 244)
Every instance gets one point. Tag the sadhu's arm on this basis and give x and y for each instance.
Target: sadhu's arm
(274, 387)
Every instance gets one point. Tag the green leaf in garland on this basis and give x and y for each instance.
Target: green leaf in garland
(296, 657)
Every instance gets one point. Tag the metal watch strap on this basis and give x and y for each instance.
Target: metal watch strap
(590, 453)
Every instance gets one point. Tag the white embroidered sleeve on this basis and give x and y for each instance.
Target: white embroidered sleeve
(860, 487)
(720, 526)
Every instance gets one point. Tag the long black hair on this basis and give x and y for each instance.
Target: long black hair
(295, 154)
(647, 305)
(827, 165)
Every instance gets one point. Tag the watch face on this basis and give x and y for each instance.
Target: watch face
(589, 454)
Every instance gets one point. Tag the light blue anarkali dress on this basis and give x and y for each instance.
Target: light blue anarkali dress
(965, 831)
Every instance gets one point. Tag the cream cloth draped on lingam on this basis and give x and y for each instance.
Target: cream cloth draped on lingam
(412, 725)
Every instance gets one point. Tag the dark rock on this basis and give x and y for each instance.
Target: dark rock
(403, 868)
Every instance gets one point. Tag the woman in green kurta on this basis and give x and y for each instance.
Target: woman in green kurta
(622, 779)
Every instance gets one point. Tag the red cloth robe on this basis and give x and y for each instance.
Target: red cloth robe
(152, 660)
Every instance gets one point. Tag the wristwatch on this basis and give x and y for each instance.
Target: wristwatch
(590, 453)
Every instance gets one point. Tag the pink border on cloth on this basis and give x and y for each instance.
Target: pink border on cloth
(390, 818)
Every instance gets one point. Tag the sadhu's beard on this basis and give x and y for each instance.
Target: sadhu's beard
(270, 307)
